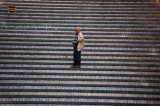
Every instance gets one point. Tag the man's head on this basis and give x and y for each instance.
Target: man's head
(77, 30)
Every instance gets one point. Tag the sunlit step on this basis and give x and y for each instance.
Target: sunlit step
(80, 78)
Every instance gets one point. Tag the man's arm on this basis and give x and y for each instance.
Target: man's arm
(80, 38)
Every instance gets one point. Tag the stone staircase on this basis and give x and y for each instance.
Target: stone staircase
(120, 64)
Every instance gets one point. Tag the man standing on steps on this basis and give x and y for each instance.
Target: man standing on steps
(78, 46)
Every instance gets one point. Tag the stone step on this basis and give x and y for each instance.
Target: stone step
(61, 25)
(83, 14)
(68, 42)
(98, 50)
(91, 69)
(58, 27)
(142, 6)
(82, 4)
(125, 89)
(85, 58)
(23, 45)
(83, 7)
(87, 37)
(81, 25)
(83, 67)
(86, 62)
(30, 24)
(75, 72)
(85, 1)
(91, 29)
(109, 8)
(85, 32)
(77, 83)
(80, 21)
(91, 1)
(106, 33)
(119, 11)
(78, 95)
(69, 53)
(77, 101)
(81, 18)
(88, 77)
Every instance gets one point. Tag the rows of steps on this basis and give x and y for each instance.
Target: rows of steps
(120, 63)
